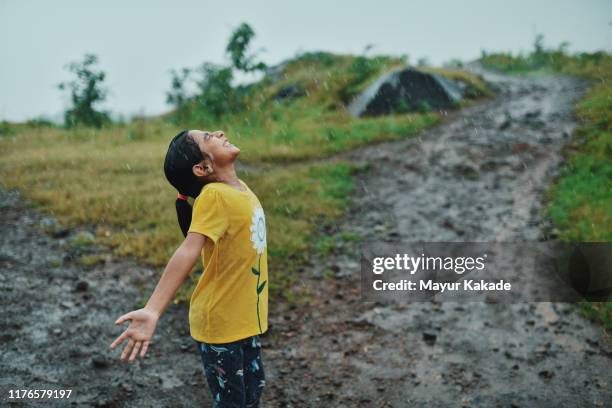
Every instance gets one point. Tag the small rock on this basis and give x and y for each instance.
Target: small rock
(60, 233)
(546, 374)
(82, 286)
(379, 228)
(99, 361)
(291, 91)
(67, 304)
(126, 387)
(429, 338)
(504, 125)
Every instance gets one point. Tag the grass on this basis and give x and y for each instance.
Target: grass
(112, 179)
(580, 201)
(121, 189)
(475, 87)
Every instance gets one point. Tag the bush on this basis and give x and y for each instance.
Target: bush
(177, 95)
(216, 94)
(85, 92)
(237, 50)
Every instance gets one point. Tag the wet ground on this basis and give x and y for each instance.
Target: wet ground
(57, 322)
(479, 176)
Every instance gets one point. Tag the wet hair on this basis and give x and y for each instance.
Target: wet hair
(183, 153)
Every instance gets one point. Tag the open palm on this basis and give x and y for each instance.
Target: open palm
(139, 333)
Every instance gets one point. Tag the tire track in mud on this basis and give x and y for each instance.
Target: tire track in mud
(479, 176)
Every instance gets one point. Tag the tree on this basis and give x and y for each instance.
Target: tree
(538, 56)
(85, 92)
(177, 95)
(216, 95)
(237, 49)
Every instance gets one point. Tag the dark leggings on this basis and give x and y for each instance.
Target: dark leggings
(234, 372)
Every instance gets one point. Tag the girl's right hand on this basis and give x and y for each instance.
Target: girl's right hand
(140, 331)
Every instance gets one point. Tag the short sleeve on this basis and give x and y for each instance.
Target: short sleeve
(208, 216)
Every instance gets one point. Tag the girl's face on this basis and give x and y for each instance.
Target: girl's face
(216, 145)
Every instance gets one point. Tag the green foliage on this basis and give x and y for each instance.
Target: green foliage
(325, 245)
(237, 49)
(322, 58)
(137, 130)
(177, 95)
(39, 122)
(6, 128)
(599, 312)
(85, 92)
(582, 204)
(216, 95)
(544, 59)
(359, 72)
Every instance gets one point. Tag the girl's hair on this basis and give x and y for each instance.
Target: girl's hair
(183, 153)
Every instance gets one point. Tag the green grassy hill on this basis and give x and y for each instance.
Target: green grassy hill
(112, 179)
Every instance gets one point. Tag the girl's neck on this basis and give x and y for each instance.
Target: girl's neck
(228, 175)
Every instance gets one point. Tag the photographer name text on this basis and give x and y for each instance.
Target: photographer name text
(430, 285)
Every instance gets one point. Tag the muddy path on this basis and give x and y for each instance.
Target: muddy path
(478, 176)
(57, 318)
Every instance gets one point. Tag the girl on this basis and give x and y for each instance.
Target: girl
(229, 306)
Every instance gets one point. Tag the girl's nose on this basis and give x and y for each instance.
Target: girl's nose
(220, 133)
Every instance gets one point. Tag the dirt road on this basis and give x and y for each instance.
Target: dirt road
(477, 177)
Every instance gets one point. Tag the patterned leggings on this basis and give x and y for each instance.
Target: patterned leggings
(234, 372)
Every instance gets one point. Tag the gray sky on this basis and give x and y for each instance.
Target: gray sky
(138, 42)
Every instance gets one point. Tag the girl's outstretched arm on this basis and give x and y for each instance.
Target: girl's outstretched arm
(144, 321)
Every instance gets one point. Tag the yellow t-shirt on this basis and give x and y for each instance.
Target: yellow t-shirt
(230, 301)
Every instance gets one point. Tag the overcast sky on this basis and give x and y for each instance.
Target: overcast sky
(138, 42)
